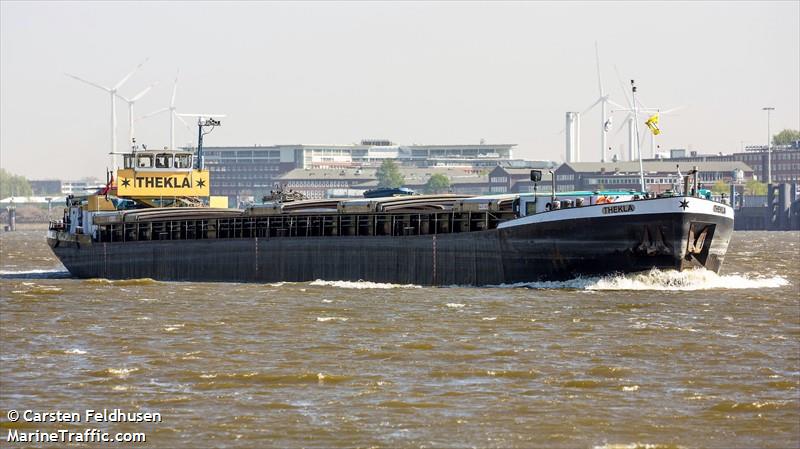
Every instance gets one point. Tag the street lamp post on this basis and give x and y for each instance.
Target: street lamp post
(769, 146)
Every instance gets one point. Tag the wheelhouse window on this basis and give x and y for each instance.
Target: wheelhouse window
(128, 161)
(163, 160)
(183, 161)
(144, 161)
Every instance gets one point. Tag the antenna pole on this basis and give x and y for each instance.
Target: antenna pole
(769, 146)
(199, 143)
(636, 140)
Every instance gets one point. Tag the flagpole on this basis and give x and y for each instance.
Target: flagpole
(636, 132)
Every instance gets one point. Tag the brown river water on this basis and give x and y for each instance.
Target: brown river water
(656, 360)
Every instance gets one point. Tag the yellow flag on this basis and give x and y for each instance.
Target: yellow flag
(652, 123)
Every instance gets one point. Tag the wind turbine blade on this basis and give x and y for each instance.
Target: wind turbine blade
(154, 113)
(624, 89)
(201, 115)
(142, 93)
(599, 100)
(123, 80)
(184, 122)
(669, 111)
(620, 127)
(126, 100)
(89, 82)
(615, 104)
(597, 58)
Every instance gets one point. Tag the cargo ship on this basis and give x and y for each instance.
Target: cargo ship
(155, 219)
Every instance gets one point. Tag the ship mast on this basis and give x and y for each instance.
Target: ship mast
(636, 139)
(209, 122)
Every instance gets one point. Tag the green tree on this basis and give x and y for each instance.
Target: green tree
(437, 183)
(753, 187)
(786, 137)
(389, 176)
(15, 185)
(720, 187)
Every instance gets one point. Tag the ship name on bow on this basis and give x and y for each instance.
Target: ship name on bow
(622, 208)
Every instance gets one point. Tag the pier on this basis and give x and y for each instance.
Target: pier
(779, 211)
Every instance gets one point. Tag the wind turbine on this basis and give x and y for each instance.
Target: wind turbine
(632, 138)
(131, 101)
(173, 114)
(603, 101)
(113, 92)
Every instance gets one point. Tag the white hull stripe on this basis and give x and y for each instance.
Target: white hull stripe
(671, 205)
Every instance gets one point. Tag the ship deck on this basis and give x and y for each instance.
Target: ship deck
(394, 216)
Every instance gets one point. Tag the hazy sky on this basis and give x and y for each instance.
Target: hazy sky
(410, 72)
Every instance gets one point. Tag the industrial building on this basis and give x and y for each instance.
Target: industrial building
(517, 180)
(56, 187)
(659, 176)
(81, 187)
(785, 161)
(251, 172)
(325, 183)
(45, 186)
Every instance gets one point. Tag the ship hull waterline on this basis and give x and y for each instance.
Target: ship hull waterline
(545, 251)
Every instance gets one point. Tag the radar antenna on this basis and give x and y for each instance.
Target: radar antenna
(207, 123)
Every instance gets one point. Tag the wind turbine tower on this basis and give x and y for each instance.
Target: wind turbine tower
(631, 138)
(131, 101)
(603, 101)
(573, 133)
(113, 92)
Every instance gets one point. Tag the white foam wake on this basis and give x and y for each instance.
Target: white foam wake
(700, 279)
(360, 284)
(323, 319)
(655, 279)
(35, 274)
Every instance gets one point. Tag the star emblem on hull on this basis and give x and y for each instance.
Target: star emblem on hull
(126, 182)
(201, 183)
(684, 204)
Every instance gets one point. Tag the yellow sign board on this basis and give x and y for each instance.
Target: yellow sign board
(99, 202)
(146, 183)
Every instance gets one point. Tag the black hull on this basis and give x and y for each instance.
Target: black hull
(555, 250)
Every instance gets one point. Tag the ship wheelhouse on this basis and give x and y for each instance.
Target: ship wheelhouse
(160, 161)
